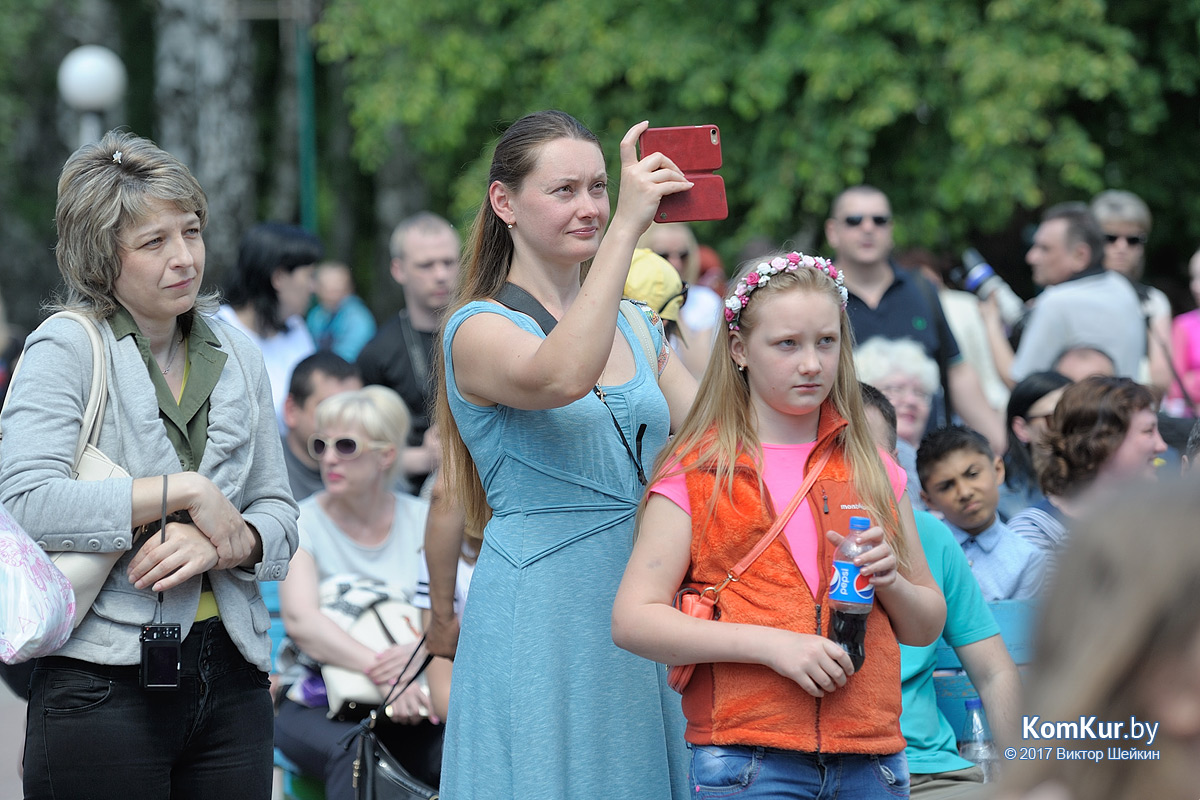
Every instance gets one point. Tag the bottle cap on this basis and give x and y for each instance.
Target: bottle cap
(973, 702)
(860, 523)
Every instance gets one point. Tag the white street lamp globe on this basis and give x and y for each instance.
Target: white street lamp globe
(91, 78)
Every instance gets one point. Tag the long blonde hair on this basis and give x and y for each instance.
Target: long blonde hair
(484, 270)
(721, 422)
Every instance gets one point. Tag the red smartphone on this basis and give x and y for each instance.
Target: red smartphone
(695, 149)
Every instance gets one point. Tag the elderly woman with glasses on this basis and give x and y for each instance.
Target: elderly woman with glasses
(907, 377)
(357, 531)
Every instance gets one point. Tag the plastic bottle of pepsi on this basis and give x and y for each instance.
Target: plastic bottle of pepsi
(851, 594)
(975, 744)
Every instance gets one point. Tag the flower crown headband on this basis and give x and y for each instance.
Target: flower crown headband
(735, 304)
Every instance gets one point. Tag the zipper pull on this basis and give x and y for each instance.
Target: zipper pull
(818, 619)
(825, 500)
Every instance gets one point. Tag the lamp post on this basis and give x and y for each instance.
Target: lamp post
(91, 79)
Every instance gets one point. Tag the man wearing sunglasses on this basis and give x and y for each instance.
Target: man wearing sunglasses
(1082, 305)
(425, 253)
(1125, 219)
(891, 302)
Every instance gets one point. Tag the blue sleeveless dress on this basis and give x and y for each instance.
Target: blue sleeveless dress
(542, 703)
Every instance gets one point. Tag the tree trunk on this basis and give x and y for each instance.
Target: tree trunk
(205, 99)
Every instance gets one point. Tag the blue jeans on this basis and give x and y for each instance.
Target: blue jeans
(763, 772)
(94, 732)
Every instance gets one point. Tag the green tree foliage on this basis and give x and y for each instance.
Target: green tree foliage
(970, 114)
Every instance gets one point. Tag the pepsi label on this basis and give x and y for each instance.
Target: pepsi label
(847, 584)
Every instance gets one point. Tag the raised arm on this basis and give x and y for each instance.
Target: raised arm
(495, 362)
(971, 404)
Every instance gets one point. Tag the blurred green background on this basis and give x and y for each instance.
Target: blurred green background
(971, 115)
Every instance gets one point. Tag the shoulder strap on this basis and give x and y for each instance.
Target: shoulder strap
(518, 299)
(93, 412)
(781, 520)
(398, 688)
(641, 329)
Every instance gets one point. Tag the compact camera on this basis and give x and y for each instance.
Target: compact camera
(160, 656)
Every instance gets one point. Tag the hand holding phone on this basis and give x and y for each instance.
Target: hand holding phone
(696, 150)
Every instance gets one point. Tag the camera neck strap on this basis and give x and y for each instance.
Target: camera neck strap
(162, 532)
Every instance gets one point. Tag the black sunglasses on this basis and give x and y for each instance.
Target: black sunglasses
(1136, 240)
(681, 255)
(682, 294)
(854, 220)
(345, 447)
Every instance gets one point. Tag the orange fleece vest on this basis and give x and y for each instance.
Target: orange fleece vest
(751, 704)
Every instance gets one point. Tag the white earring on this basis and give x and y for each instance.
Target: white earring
(741, 367)
(510, 226)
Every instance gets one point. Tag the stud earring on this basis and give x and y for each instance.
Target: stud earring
(741, 367)
(510, 226)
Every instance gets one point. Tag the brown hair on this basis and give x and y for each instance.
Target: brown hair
(1088, 425)
(104, 189)
(485, 267)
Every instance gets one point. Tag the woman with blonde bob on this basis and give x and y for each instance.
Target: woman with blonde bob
(1119, 640)
(190, 419)
(356, 530)
(775, 707)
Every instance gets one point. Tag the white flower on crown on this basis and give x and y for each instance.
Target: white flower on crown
(761, 276)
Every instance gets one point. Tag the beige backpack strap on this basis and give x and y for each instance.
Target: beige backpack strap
(641, 328)
(93, 412)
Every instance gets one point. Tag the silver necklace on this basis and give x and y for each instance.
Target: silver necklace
(171, 355)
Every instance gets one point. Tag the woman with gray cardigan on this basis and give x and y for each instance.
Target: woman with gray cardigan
(190, 418)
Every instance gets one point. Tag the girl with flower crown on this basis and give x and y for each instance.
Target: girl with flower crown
(775, 707)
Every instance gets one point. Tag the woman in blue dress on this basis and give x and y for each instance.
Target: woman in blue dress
(543, 704)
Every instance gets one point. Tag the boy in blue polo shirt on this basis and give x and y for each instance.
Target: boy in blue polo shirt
(960, 479)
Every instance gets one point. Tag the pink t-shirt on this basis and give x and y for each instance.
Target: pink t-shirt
(783, 472)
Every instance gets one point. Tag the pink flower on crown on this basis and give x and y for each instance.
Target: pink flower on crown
(794, 258)
(729, 315)
(779, 263)
(752, 279)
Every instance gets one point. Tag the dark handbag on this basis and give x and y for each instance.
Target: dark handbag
(377, 773)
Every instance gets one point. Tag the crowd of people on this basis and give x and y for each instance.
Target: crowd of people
(578, 416)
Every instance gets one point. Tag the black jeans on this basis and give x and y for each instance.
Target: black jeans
(94, 732)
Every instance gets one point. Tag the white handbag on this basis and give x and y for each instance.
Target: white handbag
(351, 694)
(87, 572)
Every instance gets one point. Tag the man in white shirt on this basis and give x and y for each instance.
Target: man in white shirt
(1083, 305)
